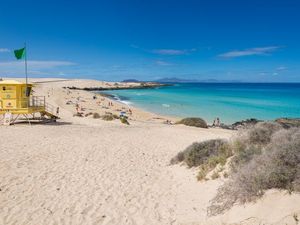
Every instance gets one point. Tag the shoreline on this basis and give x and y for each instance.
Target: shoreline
(89, 86)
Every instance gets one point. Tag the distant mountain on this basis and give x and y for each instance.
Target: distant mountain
(179, 80)
(131, 81)
(219, 81)
(175, 80)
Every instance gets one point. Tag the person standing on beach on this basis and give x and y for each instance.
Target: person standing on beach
(218, 122)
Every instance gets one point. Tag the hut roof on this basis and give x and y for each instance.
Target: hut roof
(11, 82)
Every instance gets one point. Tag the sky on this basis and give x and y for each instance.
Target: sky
(249, 40)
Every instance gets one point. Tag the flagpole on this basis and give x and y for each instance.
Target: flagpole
(26, 64)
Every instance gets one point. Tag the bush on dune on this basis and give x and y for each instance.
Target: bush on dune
(261, 133)
(207, 155)
(108, 117)
(194, 122)
(264, 157)
(198, 152)
(96, 115)
(251, 142)
(277, 166)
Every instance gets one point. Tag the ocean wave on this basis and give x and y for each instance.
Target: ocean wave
(115, 97)
(122, 99)
(166, 105)
(125, 102)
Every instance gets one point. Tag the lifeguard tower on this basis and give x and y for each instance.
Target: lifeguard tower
(16, 99)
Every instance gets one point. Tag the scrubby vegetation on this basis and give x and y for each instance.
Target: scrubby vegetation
(288, 123)
(108, 117)
(207, 155)
(261, 134)
(275, 166)
(96, 115)
(193, 121)
(264, 157)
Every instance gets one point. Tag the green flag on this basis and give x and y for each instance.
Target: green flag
(20, 53)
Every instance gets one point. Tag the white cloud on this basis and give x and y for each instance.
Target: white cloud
(281, 68)
(36, 64)
(162, 63)
(4, 50)
(169, 52)
(165, 51)
(173, 51)
(249, 52)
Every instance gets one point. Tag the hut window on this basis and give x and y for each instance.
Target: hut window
(28, 90)
(3, 88)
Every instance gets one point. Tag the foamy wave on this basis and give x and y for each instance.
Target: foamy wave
(166, 105)
(118, 99)
(126, 102)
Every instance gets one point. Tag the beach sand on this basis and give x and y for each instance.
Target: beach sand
(82, 170)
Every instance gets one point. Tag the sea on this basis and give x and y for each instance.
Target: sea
(230, 102)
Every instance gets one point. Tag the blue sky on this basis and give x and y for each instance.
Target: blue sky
(255, 40)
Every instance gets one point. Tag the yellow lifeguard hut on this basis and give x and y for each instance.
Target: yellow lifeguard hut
(16, 99)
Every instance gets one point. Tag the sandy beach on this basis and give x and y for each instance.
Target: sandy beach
(82, 170)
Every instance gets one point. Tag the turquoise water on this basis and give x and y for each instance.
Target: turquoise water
(229, 102)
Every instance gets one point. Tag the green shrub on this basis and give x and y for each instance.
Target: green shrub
(207, 155)
(195, 122)
(96, 115)
(108, 117)
(198, 153)
(116, 116)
